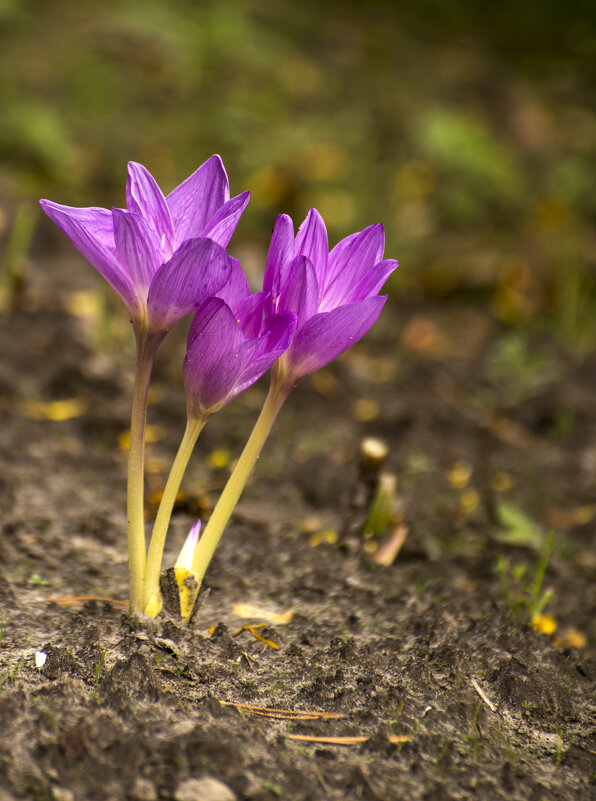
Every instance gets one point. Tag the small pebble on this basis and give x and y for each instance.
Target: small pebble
(62, 794)
(143, 790)
(205, 789)
(40, 659)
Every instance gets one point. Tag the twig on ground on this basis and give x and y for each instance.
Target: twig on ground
(287, 714)
(346, 740)
(481, 693)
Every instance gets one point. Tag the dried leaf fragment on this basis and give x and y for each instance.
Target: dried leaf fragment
(57, 410)
(252, 610)
(252, 628)
(77, 600)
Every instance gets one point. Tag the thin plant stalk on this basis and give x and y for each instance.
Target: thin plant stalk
(539, 600)
(194, 427)
(210, 538)
(136, 463)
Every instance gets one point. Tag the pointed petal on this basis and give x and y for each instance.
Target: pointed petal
(223, 223)
(211, 313)
(197, 270)
(214, 358)
(350, 260)
(137, 246)
(91, 231)
(301, 293)
(237, 288)
(194, 202)
(271, 348)
(96, 222)
(280, 256)
(282, 328)
(325, 336)
(250, 314)
(312, 242)
(144, 197)
(372, 283)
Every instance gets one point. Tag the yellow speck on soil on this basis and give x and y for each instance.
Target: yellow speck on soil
(57, 410)
(544, 623)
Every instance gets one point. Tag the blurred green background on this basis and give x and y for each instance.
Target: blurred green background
(467, 128)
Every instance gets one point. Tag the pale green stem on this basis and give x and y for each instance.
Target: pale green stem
(146, 348)
(164, 513)
(210, 538)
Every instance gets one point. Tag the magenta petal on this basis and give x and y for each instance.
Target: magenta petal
(249, 314)
(372, 283)
(144, 197)
(350, 260)
(91, 231)
(223, 223)
(137, 246)
(325, 336)
(197, 270)
(312, 242)
(282, 328)
(280, 256)
(215, 357)
(195, 201)
(236, 288)
(301, 292)
(271, 348)
(260, 353)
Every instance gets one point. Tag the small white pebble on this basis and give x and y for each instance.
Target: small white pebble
(40, 659)
(62, 793)
(205, 789)
(143, 790)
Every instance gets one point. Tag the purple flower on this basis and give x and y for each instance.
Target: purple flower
(231, 344)
(162, 255)
(333, 294)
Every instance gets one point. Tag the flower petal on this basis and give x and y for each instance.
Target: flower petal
(188, 549)
(349, 261)
(301, 292)
(194, 202)
(280, 256)
(137, 246)
(223, 223)
(144, 197)
(312, 242)
(198, 269)
(272, 346)
(214, 359)
(326, 335)
(237, 288)
(249, 314)
(91, 231)
(372, 283)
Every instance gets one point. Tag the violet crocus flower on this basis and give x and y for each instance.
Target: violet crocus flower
(335, 298)
(335, 295)
(231, 344)
(162, 255)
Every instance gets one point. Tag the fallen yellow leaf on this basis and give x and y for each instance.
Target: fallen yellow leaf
(56, 411)
(544, 623)
(252, 610)
(571, 638)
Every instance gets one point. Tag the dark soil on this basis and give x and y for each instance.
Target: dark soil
(427, 649)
